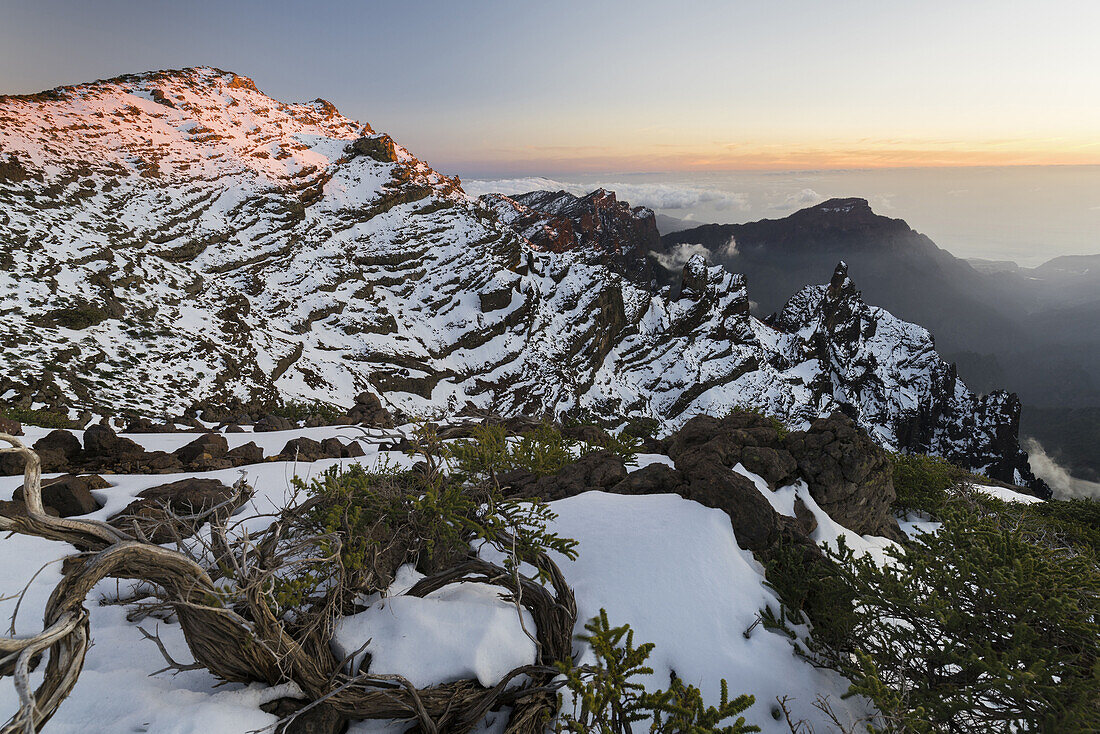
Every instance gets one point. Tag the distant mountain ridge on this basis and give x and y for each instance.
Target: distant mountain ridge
(1006, 326)
(179, 236)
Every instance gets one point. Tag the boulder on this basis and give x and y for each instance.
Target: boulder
(333, 449)
(775, 466)
(368, 411)
(102, 445)
(849, 475)
(157, 511)
(302, 449)
(208, 446)
(652, 479)
(244, 454)
(160, 462)
(62, 442)
(598, 470)
(353, 449)
(11, 427)
(69, 495)
(58, 450)
(272, 423)
(755, 522)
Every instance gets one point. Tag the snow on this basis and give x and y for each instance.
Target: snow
(459, 631)
(669, 567)
(672, 569)
(1005, 495)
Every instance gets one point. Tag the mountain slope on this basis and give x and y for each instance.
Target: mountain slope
(177, 236)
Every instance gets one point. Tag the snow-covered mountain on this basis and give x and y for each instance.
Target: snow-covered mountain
(176, 236)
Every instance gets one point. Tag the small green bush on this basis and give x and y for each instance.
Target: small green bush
(810, 589)
(988, 625)
(607, 699)
(299, 411)
(922, 482)
(42, 418)
(542, 452)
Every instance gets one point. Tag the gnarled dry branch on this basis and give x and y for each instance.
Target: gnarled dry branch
(220, 592)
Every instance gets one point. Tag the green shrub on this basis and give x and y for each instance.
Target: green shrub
(371, 522)
(299, 411)
(922, 482)
(641, 428)
(542, 452)
(984, 626)
(42, 418)
(607, 699)
(809, 589)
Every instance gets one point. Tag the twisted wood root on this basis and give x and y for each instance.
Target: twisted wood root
(246, 642)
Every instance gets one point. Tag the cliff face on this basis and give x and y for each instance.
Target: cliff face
(556, 221)
(179, 236)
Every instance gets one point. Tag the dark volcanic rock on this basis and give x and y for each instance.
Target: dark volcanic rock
(368, 411)
(244, 454)
(58, 450)
(302, 449)
(10, 427)
(210, 446)
(272, 423)
(62, 442)
(848, 474)
(755, 522)
(598, 470)
(103, 445)
(652, 479)
(144, 425)
(155, 507)
(69, 495)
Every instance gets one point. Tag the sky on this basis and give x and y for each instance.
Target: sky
(515, 88)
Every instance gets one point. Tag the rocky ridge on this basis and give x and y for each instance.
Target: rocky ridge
(179, 236)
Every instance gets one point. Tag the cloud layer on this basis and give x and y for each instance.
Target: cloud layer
(1064, 485)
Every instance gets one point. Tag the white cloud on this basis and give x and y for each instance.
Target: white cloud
(680, 254)
(1064, 485)
(799, 199)
(652, 195)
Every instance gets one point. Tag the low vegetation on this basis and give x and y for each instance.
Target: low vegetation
(39, 417)
(989, 624)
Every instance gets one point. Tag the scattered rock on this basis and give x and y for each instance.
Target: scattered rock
(849, 475)
(58, 450)
(69, 495)
(244, 454)
(11, 427)
(368, 411)
(103, 445)
(302, 449)
(144, 425)
(157, 511)
(208, 446)
(272, 423)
